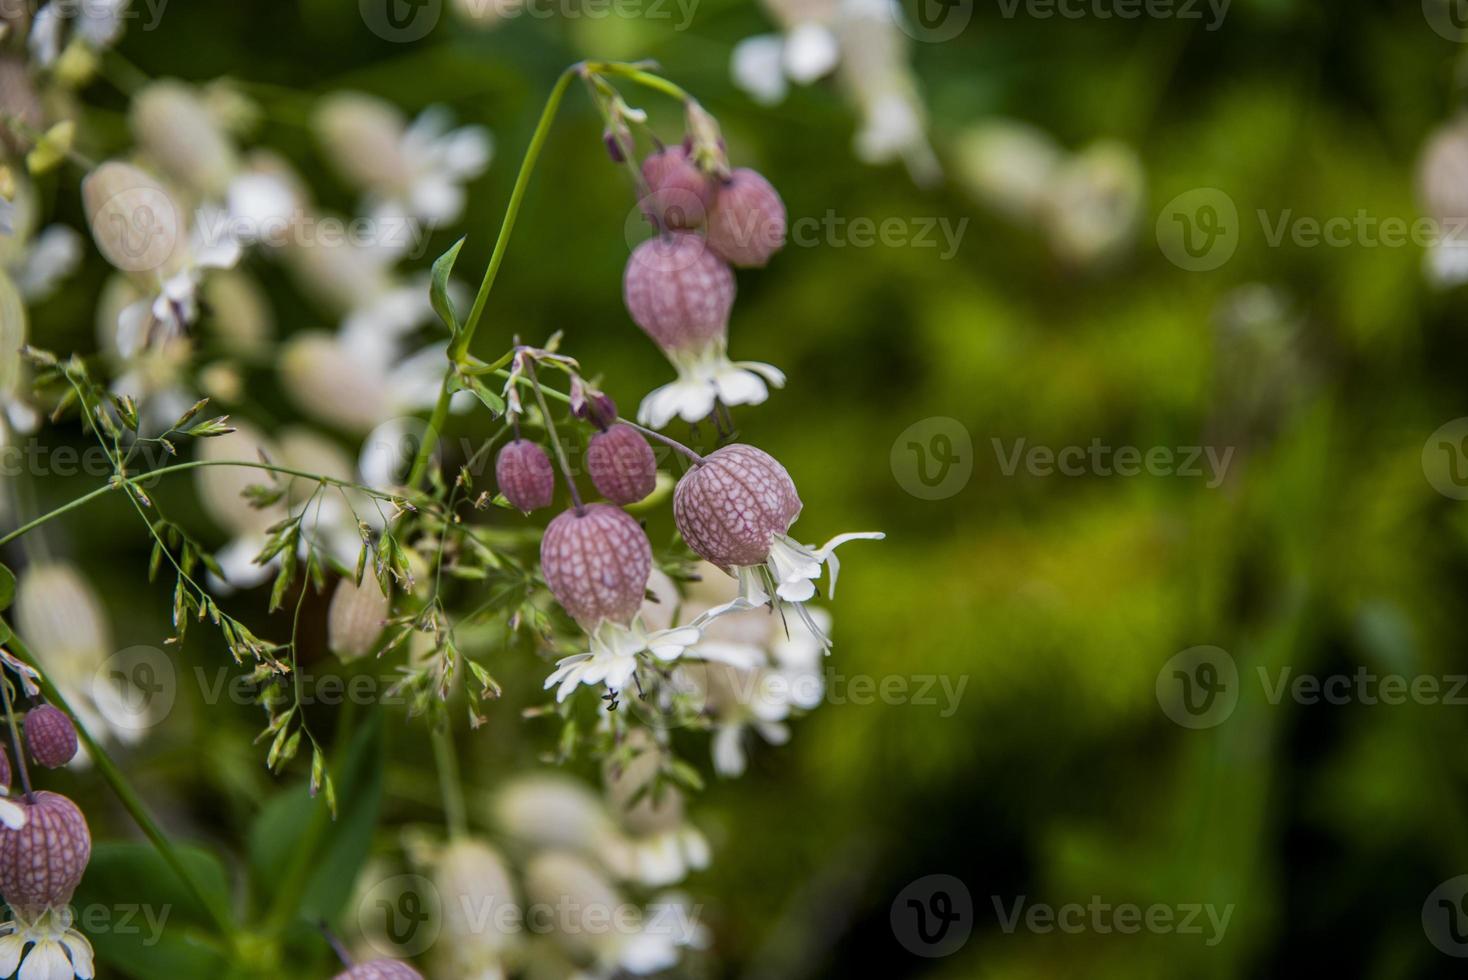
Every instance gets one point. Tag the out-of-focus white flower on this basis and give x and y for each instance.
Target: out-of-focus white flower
(1009, 166)
(172, 310)
(862, 41)
(177, 131)
(96, 25)
(481, 911)
(548, 811)
(221, 492)
(18, 414)
(660, 846)
(1442, 187)
(415, 169)
(593, 923)
(62, 619)
(36, 259)
(781, 669)
(875, 72)
(1096, 202)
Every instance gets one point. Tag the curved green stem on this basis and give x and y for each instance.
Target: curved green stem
(129, 798)
(139, 480)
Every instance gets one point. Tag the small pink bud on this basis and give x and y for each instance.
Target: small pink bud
(747, 223)
(51, 736)
(679, 193)
(42, 863)
(678, 291)
(621, 464)
(590, 405)
(380, 970)
(730, 508)
(596, 563)
(525, 476)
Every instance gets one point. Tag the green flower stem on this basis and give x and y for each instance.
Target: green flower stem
(638, 74)
(555, 439)
(140, 479)
(459, 346)
(456, 812)
(15, 744)
(131, 802)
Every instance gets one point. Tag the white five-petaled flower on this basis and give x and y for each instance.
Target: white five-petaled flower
(171, 311)
(46, 949)
(616, 651)
(705, 376)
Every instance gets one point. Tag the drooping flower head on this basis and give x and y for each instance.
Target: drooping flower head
(50, 735)
(596, 562)
(735, 510)
(681, 293)
(621, 464)
(42, 863)
(471, 879)
(680, 194)
(525, 476)
(747, 223)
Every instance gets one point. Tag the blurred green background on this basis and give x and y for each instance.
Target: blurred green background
(1055, 600)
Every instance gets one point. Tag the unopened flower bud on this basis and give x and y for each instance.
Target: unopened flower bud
(680, 195)
(356, 618)
(747, 223)
(1442, 175)
(380, 970)
(678, 291)
(50, 735)
(621, 464)
(179, 132)
(596, 563)
(133, 219)
(42, 863)
(730, 508)
(590, 405)
(614, 146)
(525, 476)
(705, 142)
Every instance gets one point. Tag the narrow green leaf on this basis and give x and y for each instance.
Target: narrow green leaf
(438, 290)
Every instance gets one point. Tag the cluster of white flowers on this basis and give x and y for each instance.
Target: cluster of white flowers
(862, 42)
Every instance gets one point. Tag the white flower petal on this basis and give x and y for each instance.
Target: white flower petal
(757, 67)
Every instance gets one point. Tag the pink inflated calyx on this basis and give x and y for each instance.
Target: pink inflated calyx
(621, 464)
(730, 508)
(42, 863)
(679, 194)
(596, 562)
(747, 223)
(50, 736)
(678, 291)
(525, 476)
